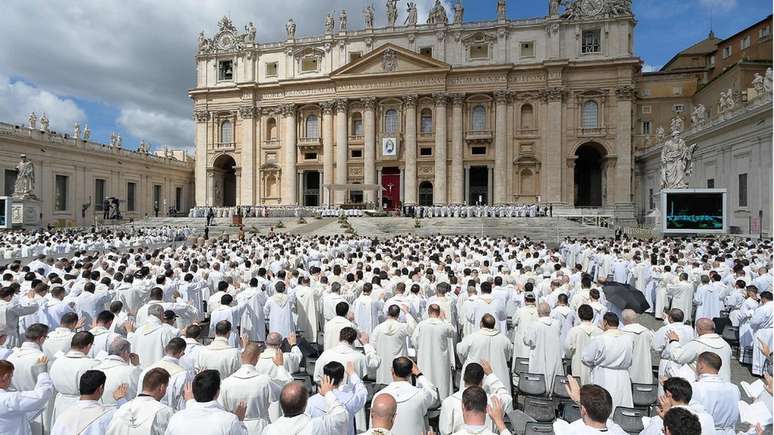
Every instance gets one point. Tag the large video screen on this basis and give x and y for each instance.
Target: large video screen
(4, 215)
(694, 212)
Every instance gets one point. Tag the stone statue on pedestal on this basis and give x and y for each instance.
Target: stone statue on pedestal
(290, 28)
(25, 179)
(143, 148)
(44, 122)
(113, 139)
(411, 18)
(660, 135)
(553, 7)
(727, 101)
(368, 17)
(76, 131)
(501, 13)
(32, 119)
(86, 133)
(676, 159)
(699, 115)
(343, 21)
(757, 84)
(767, 82)
(329, 24)
(459, 10)
(437, 14)
(392, 12)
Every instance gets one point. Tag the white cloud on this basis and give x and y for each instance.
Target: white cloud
(157, 128)
(18, 99)
(718, 5)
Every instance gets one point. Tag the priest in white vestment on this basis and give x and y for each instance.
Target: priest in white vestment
(521, 323)
(102, 334)
(59, 339)
(17, 407)
(29, 362)
(383, 409)
(150, 339)
(564, 315)
(279, 310)
(610, 355)
(678, 394)
(307, 307)
(219, 355)
(685, 333)
(345, 353)
(413, 402)
(367, 309)
(203, 414)
(762, 324)
(225, 311)
(179, 375)
(334, 326)
(488, 344)
(596, 407)
(121, 367)
(577, 339)
(88, 416)
(475, 375)
(641, 371)
(543, 340)
(11, 310)
(488, 304)
(389, 340)
(294, 420)
(431, 340)
(67, 370)
(146, 414)
(707, 341)
(719, 397)
(681, 294)
(477, 409)
(350, 392)
(708, 299)
(290, 360)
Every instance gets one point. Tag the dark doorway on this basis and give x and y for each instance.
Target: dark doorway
(390, 188)
(588, 175)
(426, 193)
(311, 188)
(478, 185)
(224, 190)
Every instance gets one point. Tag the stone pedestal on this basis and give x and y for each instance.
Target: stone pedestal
(25, 212)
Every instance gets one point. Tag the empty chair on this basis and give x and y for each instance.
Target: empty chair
(540, 409)
(560, 387)
(644, 395)
(629, 419)
(731, 335)
(532, 384)
(538, 428)
(521, 365)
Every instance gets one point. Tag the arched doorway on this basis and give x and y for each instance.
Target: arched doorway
(224, 182)
(589, 175)
(425, 193)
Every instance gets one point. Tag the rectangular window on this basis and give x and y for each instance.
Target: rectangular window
(60, 194)
(178, 198)
(478, 151)
(712, 60)
(646, 92)
(425, 152)
(355, 56)
(226, 70)
(764, 32)
(9, 180)
(426, 51)
(271, 69)
(647, 109)
(711, 183)
(678, 108)
(746, 42)
(156, 196)
(357, 127)
(527, 49)
(357, 154)
(677, 91)
(131, 189)
(479, 51)
(310, 156)
(309, 64)
(591, 41)
(742, 190)
(646, 128)
(99, 193)
(652, 199)
(727, 52)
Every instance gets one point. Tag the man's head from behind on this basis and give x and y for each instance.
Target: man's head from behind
(708, 363)
(383, 411)
(680, 421)
(206, 386)
(92, 384)
(155, 383)
(474, 406)
(596, 403)
(678, 390)
(401, 368)
(473, 375)
(293, 399)
(335, 371)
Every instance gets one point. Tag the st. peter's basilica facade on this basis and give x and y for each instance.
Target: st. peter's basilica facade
(447, 112)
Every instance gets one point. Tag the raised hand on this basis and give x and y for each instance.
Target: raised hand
(664, 404)
(350, 368)
(326, 385)
(188, 392)
(120, 392)
(43, 360)
(415, 370)
(496, 413)
(292, 340)
(279, 358)
(129, 326)
(363, 337)
(241, 410)
(486, 366)
(244, 340)
(573, 389)
(672, 335)
(134, 359)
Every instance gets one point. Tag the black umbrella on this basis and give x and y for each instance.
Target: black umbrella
(625, 296)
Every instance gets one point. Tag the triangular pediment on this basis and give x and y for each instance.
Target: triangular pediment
(390, 59)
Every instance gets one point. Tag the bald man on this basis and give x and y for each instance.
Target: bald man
(256, 390)
(383, 409)
(707, 341)
(545, 345)
(489, 344)
(294, 421)
(431, 340)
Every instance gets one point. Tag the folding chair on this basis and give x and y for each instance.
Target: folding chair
(644, 396)
(731, 335)
(540, 409)
(570, 412)
(629, 419)
(538, 428)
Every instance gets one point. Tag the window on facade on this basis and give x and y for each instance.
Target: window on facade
(711, 183)
(178, 198)
(764, 32)
(646, 92)
(479, 51)
(131, 192)
(677, 91)
(426, 51)
(355, 56)
(678, 108)
(746, 42)
(712, 60)
(425, 152)
(527, 49)
(591, 41)
(727, 51)
(647, 109)
(426, 121)
(226, 132)
(391, 121)
(99, 193)
(357, 124)
(590, 114)
(310, 156)
(271, 69)
(357, 154)
(312, 127)
(742, 190)
(646, 128)
(271, 129)
(478, 116)
(478, 151)
(60, 193)
(156, 196)
(527, 117)
(9, 180)
(309, 64)
(226, 70)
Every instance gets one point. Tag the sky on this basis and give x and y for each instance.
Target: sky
(127, 66)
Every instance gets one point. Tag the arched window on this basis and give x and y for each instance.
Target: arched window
(426, 121)
(391, 121)
(271, 129)
(479, 118)
(527, 117)
(312, 126)
(590, 114)
(226, 132)
(357, 124)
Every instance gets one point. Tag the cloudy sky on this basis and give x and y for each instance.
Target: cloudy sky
(126, 66)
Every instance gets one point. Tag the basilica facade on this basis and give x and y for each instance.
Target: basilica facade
(447, 112)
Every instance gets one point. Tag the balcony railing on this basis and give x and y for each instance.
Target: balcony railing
(308, 142)
(478, 135)
(224, 146)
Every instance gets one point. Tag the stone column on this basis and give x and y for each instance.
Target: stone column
(247, 188)
(369, 145)
(501, 144)
(439, 182)
(410, 152)
(458, 152)
(551, 183)
(289, 188)
(623, 140)
(490, 185)
(200, 173)
(341, 149)
(467, 183)
(327, 143)
(238, 186)
(210, 197)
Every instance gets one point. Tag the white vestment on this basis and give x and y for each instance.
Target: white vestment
(720, 399)
(179, 377)
(610, 355)
(687, 354)
(17, 408)
(521, 322)
(279, 310)
(258, 391)
(204, 418)
(574, 345)
(431, 340)
(66, 374)
(118, 372)
(450, 420)
(307, 303)
(141, 416)
(545, 356)
(86, 417)
(682, 297)
(367, 312)
(641, 371)
(389, 340)
(344, 353)
(490, 345)
(413, 403)
(332, 330)
(149, 340)
(332, 423)
(25, 376)
(220, 356)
